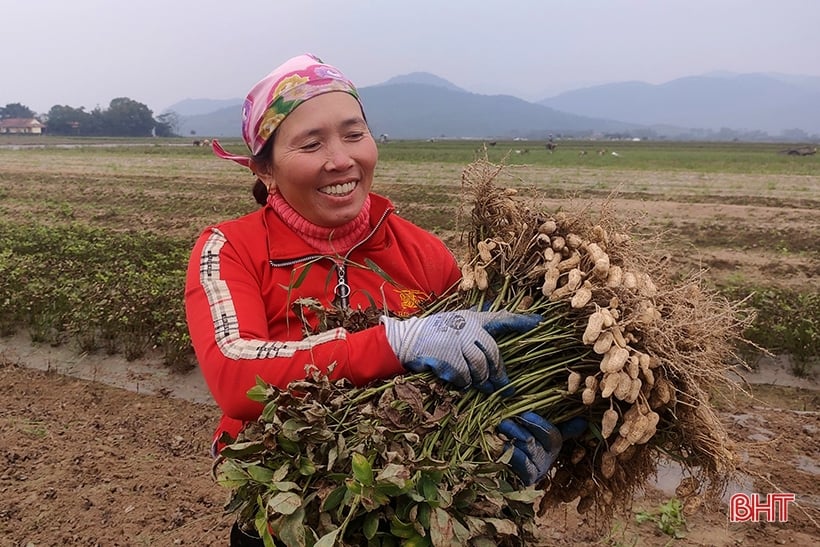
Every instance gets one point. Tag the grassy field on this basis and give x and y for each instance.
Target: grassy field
(169, 176)
(80, 217)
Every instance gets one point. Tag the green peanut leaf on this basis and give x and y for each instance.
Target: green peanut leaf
(333, 499)
(261, 525)
(371, 525)
(372, 498)
(281, 473)
(306, 467)
(230, 475)
(428, 488)
(269, 411)
(292, 429)
(401, 529)
(354, 486)
(528, 495)
(259, 392)
(328, 540)
(464, 499)
(285, 486)
(284, 503)
(362, 470)
(423, 516)
(241, 450)
(292, 530)
(391, 490)
(260, 474)
(417, 541)
(287, 445)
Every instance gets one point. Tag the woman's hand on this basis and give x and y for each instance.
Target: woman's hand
(458, 346)
(536, 442)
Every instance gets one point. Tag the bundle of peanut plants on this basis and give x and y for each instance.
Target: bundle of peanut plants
(411, 462)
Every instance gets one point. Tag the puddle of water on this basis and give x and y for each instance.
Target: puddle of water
(809, 465)
(71, 146)
(778, 371)
(145, 375)
(670, 474)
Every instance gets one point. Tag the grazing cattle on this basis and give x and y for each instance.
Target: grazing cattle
(197, 143)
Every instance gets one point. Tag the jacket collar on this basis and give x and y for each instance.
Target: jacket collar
(284, 245)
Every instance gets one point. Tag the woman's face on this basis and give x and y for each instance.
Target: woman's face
(323, 159)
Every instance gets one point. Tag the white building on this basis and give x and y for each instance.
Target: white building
(22, 126)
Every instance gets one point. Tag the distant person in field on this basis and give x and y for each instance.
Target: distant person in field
(317, 230)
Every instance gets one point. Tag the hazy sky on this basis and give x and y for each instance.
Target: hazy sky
(87, 52)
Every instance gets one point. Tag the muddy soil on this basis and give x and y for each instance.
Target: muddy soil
(101, 451)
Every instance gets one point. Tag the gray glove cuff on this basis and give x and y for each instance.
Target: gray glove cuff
(398, 332)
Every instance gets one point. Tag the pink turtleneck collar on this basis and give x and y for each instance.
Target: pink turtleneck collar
(336, 240)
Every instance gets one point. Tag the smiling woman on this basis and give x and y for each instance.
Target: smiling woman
(323, 160)
(323, 241)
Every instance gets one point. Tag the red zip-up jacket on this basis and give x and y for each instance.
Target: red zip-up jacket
(245, 274)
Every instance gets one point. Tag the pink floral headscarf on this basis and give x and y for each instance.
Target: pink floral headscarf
(278, 94)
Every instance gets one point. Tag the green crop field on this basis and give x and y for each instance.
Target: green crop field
(95, 233)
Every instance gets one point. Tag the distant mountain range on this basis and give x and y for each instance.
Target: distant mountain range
(713, 106)
(751, 102)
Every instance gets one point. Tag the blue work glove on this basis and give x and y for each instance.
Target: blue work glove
(458, 346)
(536, 443)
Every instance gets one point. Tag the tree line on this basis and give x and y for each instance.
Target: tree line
(124, 117)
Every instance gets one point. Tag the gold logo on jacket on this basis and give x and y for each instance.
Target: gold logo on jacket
(409, 300)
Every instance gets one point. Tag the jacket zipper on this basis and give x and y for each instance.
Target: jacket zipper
(342, 289)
